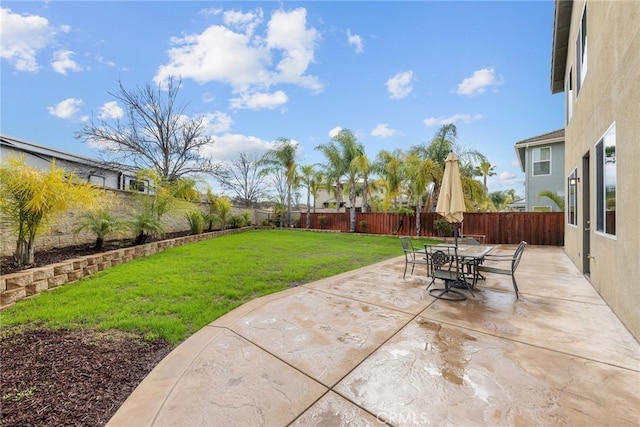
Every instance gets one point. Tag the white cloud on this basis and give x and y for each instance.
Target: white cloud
(259, 101)
(336, 130)
(111, 110)
(479, 82)
(217, 122)
(466, 118)
(101, 59)
(246, 61)
(22, 37)
(356, 41)
(66, 109)
(506, 181)
(383, 131)
(399, 86)
(229, 146)
(62, 62)
(245, 22)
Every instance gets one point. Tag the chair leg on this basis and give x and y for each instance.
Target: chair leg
(515, 286)
(406, 264)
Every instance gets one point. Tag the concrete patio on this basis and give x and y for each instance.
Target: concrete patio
(369, 348)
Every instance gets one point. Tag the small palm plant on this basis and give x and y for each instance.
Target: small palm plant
(101, 223)
(146, 225)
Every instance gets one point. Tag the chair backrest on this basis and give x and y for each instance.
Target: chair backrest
(440, 257)
(517, 256)
(407, 248)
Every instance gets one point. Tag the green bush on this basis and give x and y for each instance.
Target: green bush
(443, 228)
(196, 222)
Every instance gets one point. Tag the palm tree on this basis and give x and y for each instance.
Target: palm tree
(282, 158)
(344, 155)
(420, 174)
(389, 166)
(486, 169)
(361, 163)
(444, 142)
(307, 178)
(554, 197)
(101, 223)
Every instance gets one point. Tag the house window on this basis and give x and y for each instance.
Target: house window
(568, 90)
(135, 185)
(581, 51)
(97, 180)
(542, 161)
(542, 209)
(606, 183)
(572, 198)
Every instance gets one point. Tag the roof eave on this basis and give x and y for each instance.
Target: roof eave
(561, 27)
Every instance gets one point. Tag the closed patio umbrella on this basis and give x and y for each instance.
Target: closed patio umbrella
(451, 199)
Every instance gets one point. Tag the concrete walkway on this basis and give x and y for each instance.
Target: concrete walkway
(369, 348)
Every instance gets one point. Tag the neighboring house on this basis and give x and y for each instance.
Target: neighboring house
(542, 161)
(95, 172)
(596, 63)
(518, 205)
(326, 201)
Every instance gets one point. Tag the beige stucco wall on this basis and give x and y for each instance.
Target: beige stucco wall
(60, 233)
(610, 93)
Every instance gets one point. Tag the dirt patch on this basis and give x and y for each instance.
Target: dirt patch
(71, 378)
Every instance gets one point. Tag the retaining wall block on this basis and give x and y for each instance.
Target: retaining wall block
(37, 287)
(62, 268)
(42, 273)
(79, 263)
(13, 295)
(75, 275)
(18, 280)
(103, 265)
(3, 284)
(57, 280)
(93, 259)
(90, 269)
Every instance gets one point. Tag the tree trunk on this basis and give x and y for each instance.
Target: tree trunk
(308, 225)
(352, 213)
(418, 222)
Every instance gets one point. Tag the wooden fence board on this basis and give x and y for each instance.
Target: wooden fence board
(536, 228)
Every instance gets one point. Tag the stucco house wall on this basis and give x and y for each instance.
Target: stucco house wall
(609, 96)
(535, 184)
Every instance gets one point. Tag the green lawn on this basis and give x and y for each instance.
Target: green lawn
(174, 293)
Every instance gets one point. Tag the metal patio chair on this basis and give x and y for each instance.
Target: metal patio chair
(412, 255)
(497, 264)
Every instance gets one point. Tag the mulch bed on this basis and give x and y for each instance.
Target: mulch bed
(71, 378)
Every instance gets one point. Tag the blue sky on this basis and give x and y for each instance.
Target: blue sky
(392, 72)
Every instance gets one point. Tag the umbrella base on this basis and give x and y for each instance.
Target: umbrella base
(447, 294)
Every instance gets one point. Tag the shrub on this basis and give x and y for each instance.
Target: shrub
(196, 222)
(364, 226)
(322, 219)
(443, 228)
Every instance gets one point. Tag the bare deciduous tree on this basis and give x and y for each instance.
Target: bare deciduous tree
(243, 178)
(155, 133)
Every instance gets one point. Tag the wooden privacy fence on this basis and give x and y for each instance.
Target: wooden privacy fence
(536, 228)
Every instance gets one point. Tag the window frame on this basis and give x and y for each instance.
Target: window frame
(572, 198)
(542, 208)
(605, 225)
(534, 161)
(581, 51)
(568, 89)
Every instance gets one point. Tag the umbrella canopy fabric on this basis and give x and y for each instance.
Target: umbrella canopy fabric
(451, 199)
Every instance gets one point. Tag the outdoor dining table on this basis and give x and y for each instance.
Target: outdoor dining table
(470, 256)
